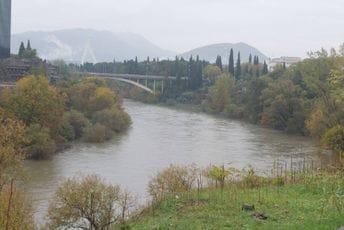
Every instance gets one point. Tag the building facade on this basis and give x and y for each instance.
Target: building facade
(5, 28)
(287, 61)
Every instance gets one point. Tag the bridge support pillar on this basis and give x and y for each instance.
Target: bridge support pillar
(162, 87)
(154, 87)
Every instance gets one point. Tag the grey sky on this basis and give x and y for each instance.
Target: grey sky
(276, 27)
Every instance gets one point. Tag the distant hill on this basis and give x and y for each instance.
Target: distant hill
(74, 44)
(210, 52)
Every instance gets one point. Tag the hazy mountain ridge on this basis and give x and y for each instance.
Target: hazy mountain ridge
(210, 52)
(71, 45)
(77, 45)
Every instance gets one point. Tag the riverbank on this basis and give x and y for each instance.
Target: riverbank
(314, 202)
(160, 136)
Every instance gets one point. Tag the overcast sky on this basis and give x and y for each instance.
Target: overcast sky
(276, 27)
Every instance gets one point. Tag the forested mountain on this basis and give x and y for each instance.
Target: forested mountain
(210, 52)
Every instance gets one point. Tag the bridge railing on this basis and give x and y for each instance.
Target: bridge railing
(134, 76)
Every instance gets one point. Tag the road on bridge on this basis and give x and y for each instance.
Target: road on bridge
(134, 76)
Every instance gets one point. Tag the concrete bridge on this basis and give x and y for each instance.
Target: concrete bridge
(140, 81)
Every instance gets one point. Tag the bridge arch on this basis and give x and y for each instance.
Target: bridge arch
(134, 79)
(131, 82)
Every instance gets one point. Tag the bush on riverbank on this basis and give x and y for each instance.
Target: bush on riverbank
(96, 111)
(56, 115)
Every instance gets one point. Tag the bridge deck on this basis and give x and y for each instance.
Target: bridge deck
(134, 76)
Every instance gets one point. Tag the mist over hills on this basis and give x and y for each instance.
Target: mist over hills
(74, 45)
(78, 45)
(210, 52)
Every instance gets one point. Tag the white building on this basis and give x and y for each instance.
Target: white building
(287, 61)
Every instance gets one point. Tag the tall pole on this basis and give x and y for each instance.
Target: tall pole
(5, 28)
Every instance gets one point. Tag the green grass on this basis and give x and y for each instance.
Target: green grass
(315, 203)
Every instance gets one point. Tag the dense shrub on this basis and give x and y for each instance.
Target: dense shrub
(39, 144)
(66, 131)
(97, 133)
(115, 119)
(172, 180)
(334, 138)
(78, 121)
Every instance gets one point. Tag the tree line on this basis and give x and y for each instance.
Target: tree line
(192, 68)
(307, 98)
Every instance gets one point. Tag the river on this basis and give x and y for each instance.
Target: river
(158, 137)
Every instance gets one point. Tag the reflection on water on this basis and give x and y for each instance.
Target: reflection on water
(162, 136)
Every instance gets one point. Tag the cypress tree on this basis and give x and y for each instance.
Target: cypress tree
(256, 67)
(256, 60)
(28, 46)
(190, 72)
(195, 73)
(257, 72)
(219, 62)
(231, 63)
(199, 77)
(175, 70)
(265, 68)
(21, 49)
(193, 81)
(238, 68)
(136, 66)
(250, 70)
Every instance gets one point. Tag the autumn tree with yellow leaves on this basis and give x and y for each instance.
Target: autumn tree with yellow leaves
(15, 207)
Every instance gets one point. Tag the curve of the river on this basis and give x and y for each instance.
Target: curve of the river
(161, 136)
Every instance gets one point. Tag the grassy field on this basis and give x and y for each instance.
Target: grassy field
(315, 202)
